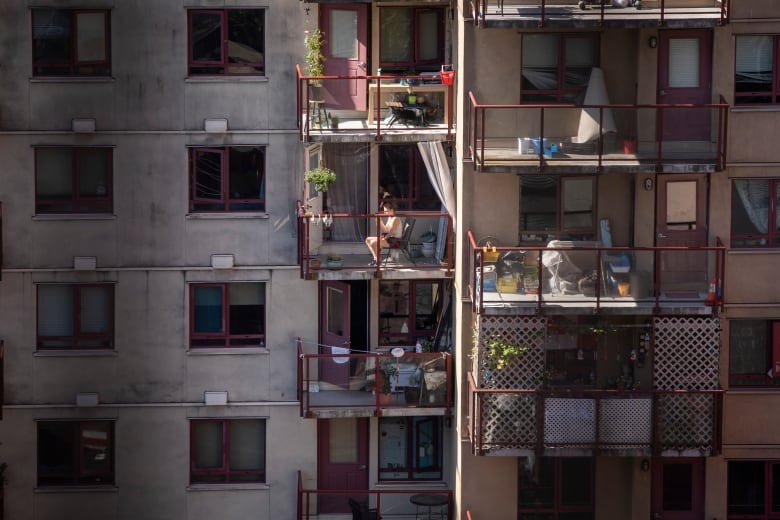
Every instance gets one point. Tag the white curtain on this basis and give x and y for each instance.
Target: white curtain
(754, 195)
(439, 174)
(596, 94)
(350, 191)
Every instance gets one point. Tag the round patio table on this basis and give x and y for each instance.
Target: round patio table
(429, 501)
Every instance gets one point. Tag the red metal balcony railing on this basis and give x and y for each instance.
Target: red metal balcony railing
(396, 502)
(371, 383)
(490, 144)
(641, 12)
(316, 240)
(2, 377)
(651, 278)
(430, 110)
(615, 422)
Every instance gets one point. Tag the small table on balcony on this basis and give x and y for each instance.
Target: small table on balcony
(394, 88)
(429, 500)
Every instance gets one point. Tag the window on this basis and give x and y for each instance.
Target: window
(402, 174)
(559, 208)
(411, 39)
(755, 219)
(70, 42)
(556, 67)
(408, 311)
(754, 353)
(227, 179)
(75, 453)
(753, 489)
(559, 488)
(227, 450)
(756, 80)
(75, 316)
(410, 448)
(73, 180)
(227, 41)
(227, 315)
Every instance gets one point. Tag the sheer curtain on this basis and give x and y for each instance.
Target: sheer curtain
(349, 194)
(439, 174)
(754, 195)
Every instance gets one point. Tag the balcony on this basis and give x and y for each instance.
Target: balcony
(332, 385)
(590, 13)
(542, 142)
(385, 504)
(399, 108)
(585, 276)
(331, 247)
(594, 422)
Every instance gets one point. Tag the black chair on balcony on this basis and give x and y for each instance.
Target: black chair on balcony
(360, 510)
(401, 244)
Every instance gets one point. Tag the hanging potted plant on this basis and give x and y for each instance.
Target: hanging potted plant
(321, 176)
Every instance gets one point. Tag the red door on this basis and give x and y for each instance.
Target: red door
(334, 332)
(685, 77)
(678, 489)
(345, 29)
(681, 220)
(342, 457)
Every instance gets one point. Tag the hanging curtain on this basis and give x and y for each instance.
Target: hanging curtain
(438, 169)
(350, 191)
(596, 94)
(754, 195)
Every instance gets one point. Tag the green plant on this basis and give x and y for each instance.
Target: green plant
(499, 352)
(389, 371)
(315, 59)
(321, 176)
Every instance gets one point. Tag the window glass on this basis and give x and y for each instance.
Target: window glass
(557, 67)
(247, 445)
(59, 326)
(576, 483)
(246, 41)
(208, 444)
(404, 318)
(556, 488)
(227, 41)
(244, 324)
(429, 35)
(681, 205)
(580, 60)
(343, 441)
(411, 39)
(577, 203)
(754, 69)
(75, 453)
(227, 451)
(247, 308)
(402, 174)
(684, 62)
(206, 34)
(751, 353)
(754, 214)
(91, 36)
(51, 37)
(395, 34)
(677, 487)
(228, 179)
(554, 207)
(746, 487)
(410, 448)
(344, 36)
(57, 169)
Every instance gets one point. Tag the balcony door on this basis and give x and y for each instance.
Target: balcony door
(678, 489)
(345, 28)
(342, 461)
(685, 77)
(335, 332)
(681, 220)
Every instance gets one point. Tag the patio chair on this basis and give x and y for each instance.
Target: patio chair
(360, 510)
(401, 244)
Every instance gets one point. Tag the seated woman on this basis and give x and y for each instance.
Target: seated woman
(390, 230)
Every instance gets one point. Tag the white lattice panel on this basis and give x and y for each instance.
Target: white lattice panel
(686, 421)
(686, 353)
(626, 423)
(570, 422)
(526, 372)
(509, 421)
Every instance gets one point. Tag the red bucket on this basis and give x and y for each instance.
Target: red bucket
(448, 77)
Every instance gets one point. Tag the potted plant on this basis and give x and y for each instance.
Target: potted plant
(314, 58)
(333, 261)
(321, 176)
(499, 352)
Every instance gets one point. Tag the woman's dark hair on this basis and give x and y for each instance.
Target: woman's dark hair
(388, 204)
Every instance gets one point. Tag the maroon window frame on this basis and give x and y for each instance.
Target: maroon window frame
(741, 373)
(402, 174)
(55, 47)
(85, 196)
(79, 339)
(415, 62)
(748, 91)
(560, 487)
(223, 472)
(234, 26)
(75, 453)
(751, 489)
(228, 326)
(418, 328)
(565, 92)
(768, 240)
(416, 430)
(540, 213)
(229, 179)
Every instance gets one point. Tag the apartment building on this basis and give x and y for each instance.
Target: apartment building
(150, 298)
(621, 300)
